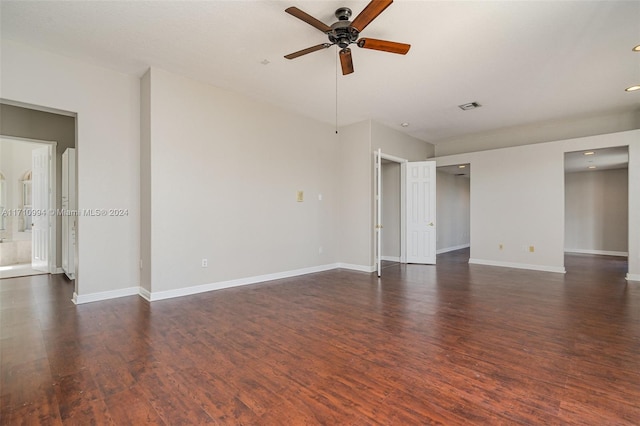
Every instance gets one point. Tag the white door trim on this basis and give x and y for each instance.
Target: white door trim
(403, 162)
(378, 215)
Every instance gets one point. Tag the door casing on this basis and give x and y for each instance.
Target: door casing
(378, 200)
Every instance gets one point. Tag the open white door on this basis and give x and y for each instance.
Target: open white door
(421, 212)
(40, 194)
(378, 196)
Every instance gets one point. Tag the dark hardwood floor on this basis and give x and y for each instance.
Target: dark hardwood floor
(452, 344)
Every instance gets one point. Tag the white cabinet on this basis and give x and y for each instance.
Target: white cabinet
(69, 208)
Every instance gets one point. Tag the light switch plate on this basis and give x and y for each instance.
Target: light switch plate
(300, 196)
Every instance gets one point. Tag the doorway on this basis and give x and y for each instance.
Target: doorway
(391, 212)
(417, 210)
(27, 229)
(385, 248)
(597, 203)
(33, 124)
(453, 208)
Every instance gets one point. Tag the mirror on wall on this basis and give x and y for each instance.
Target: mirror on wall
(26, 202)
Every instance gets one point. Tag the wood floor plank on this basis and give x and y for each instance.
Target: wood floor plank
(131, 407)
(22, 381)
(167, 392)
(447, 344)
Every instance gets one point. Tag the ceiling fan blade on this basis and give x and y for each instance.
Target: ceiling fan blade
(307, 50)
(304, 16)
(384, 45)
(346, 61)
(373, 9)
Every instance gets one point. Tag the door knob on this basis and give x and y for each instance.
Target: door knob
(430, 223)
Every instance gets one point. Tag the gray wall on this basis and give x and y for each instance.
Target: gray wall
(28, 123)
(221, 173)
(518, 201)
(596, 211)
(357, 143)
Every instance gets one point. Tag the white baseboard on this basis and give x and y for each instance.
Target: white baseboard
(448, 249)
(104, 295)
(186, 291)
(633, 277)
(544, 268)
(168, 294)
(600, 252)
(391, 258)
(145, 294)
(360, 268)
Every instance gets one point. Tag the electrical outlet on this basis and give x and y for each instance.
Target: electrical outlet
(501, 246)
(205, 263)
(320, 250)
(300, 196)
(532, 249)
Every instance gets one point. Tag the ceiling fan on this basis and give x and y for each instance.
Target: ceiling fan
(344, 32)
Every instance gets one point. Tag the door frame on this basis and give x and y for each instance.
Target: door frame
(378, 197)
(53, 231)
(628, 196)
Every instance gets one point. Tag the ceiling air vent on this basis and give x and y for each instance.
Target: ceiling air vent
(470, 105)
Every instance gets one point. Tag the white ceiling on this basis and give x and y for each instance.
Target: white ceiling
(602, 159)
(524, 61)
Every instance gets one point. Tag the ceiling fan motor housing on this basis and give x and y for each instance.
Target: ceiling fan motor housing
(342, 33)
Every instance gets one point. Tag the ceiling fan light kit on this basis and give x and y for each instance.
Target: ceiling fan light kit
(344, 33)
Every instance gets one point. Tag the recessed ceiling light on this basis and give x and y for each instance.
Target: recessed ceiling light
(461, 166)
(592, 167)
(636, 49)
(632, 88)
(589, 153)
(405, 124)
